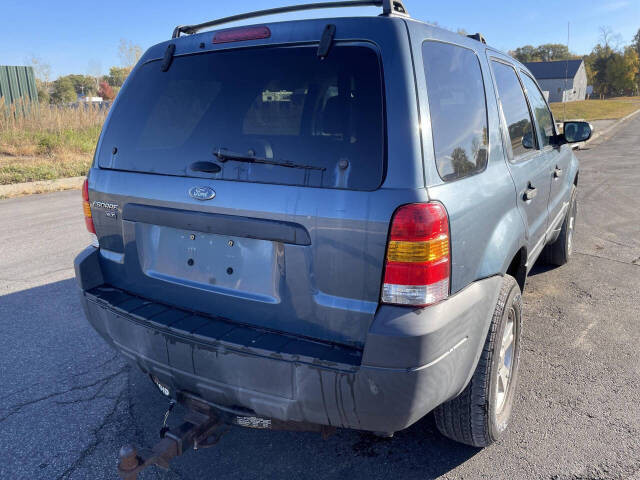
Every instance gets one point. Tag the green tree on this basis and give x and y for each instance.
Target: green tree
(549, 52)
(117, 76)
(598, 62)
(82, 84)
(636, 42)
(43, 92)
(613, 72)
(546, 52)
(528, 53)
(63, 91)
(460, 162)
(622, 72)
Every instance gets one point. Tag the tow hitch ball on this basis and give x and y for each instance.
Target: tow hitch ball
(198, 431)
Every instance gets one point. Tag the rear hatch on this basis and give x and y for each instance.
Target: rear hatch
(245, 183)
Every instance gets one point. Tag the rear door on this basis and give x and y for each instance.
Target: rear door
(287, 229)
(560, 157)
(530, 166)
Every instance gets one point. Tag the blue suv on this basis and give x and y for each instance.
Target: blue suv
(327, 222)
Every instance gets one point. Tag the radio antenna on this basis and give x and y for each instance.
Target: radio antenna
(566, 74)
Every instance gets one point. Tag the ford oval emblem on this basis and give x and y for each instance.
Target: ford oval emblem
(202, 193)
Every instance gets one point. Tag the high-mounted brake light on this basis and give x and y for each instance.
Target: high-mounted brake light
(241, 34)
(417, 265)
(88, 219)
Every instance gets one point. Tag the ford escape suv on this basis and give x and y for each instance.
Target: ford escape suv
(328, 221)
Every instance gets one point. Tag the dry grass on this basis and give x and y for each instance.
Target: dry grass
(610, 109)
(48, 142)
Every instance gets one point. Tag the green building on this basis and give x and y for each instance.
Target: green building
(16, 83)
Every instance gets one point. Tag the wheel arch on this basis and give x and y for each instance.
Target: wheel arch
(506, 252)
(518, 267)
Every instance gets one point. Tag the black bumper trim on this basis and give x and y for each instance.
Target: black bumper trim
(208, 330)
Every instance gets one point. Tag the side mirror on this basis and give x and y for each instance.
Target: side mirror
(527, 140)
(577, 132)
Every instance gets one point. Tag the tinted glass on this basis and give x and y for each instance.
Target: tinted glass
(458, 109)
(514, 107)
(277, 104)
(544, 119)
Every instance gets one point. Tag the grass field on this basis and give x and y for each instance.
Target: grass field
(588, 110)
(59, 142)
(47, 144)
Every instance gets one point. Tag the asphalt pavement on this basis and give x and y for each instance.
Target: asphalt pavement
(67, 402)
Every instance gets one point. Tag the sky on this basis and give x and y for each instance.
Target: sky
(82, 37)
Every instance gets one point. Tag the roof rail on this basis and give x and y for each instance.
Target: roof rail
(389, 7)
(479, 37)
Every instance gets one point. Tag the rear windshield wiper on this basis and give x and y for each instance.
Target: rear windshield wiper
(226, 155)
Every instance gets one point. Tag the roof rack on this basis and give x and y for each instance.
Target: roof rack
(479, 37)
(389, 7)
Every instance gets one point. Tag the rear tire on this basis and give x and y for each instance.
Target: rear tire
(559, 252)
(480, 414)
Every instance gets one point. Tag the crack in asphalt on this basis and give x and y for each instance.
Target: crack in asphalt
(128, 423)
(632, 263)
(14, 409)
(93, 445)
(103, 364)
(20, 390)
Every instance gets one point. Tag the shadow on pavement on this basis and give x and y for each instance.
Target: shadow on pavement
(68, 374)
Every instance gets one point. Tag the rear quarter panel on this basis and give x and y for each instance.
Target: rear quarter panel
(487, 229)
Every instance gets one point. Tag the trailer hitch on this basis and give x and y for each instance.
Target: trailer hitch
(203, 426)
(199, 430)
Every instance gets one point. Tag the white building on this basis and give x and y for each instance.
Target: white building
(564, 80)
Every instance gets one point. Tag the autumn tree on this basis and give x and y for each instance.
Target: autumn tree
(622, 72)
(611, 70)
(129, 53)
(105, 91)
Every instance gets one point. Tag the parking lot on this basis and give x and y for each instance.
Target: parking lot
(68, 402)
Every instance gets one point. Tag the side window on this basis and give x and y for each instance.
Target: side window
(514, 108)
(458, 109)
(544, 119)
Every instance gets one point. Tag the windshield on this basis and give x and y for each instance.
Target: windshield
(281, 104)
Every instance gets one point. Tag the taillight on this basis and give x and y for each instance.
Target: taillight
(88, 220)
(417, 265)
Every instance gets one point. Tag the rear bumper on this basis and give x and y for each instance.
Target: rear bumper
(412, 361)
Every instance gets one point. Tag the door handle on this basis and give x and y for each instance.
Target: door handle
(557, 173)
(530, 192)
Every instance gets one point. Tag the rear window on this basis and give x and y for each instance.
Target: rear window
(277, 104)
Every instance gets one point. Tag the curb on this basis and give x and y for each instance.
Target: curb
(597, 135)
(27, 188)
